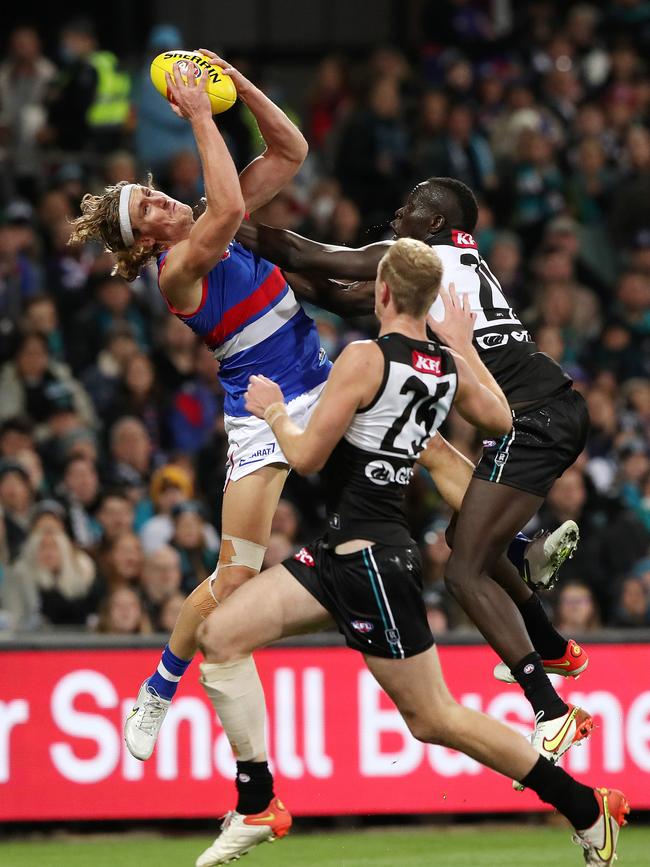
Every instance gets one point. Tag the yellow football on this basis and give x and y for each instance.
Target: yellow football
(220, 89)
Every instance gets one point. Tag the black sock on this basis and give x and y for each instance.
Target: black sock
(569, 797)
(546, 640)
(531, 677)
(254, 787)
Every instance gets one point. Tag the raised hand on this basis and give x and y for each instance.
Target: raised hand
(239, 80)
(457, 328)
(188, 98)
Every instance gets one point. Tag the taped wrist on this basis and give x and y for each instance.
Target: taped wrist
(273, 412)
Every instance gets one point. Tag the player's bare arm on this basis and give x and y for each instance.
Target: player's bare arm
(354, 379)
(478, 404)
(192, 258)
(344, 299)
(456, 331)
(293, 252)
(286, 147)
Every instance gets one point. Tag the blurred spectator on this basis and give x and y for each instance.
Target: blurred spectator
(16, 434)
(169, 612)
(329, 101)
(89, 102)
(51, 582)
(131, 451)
(25, 76)
(170, 485)
(102, 378)
(175, 355)
(35, 385)
(79, 489)
(184, 180)
(16, 500)
(123, 562)
(576, 610)
(160, 581)
(41, 316)
(196, 405)
(285, 521)
(139, 395)
(633, 606)
(198, 558)
(159, 133)
(372, 158)
(122, 613)
(278, 549)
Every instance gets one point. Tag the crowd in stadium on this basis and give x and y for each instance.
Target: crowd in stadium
(112, 448)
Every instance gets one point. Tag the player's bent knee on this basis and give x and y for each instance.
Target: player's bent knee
(202, 600)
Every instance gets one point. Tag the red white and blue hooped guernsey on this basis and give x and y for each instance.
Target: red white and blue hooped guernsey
(251, 320)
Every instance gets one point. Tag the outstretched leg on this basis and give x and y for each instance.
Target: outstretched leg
(417, 687)
(491, 514)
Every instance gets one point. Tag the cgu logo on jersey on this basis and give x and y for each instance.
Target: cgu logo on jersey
(426, 363)
(495, 339)
(225, 254)
(303, 556)
(463, 239)
(383, 473)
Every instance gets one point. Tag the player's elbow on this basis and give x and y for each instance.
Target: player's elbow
(306, 465)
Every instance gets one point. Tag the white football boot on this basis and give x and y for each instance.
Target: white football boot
(240, 834)
(545, 555)
(552, 738)
(599, 841)
(143, 723)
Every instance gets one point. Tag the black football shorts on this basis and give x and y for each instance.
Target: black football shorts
(543, 443)
(374, 596)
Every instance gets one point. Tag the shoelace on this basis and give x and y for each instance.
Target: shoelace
(227, 819)
(152, 709)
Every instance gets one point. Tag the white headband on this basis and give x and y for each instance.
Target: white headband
(126, 229)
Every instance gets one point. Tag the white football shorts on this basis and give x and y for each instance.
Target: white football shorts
(251, 443)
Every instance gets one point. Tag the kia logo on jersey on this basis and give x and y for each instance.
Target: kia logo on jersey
(463, 239)
(426, 363)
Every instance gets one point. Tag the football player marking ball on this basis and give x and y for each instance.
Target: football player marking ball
(220, 88)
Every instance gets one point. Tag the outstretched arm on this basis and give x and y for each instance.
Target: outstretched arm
(355, 377)
(286, 147)
(344, 299)
(189, 260)
(292, 252)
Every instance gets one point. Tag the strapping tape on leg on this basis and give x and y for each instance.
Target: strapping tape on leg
(236, 694)
(237, 552)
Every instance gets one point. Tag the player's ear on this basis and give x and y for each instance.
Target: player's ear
(437, 223)
(384, 294)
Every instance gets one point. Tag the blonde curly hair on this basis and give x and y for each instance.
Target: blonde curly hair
(100, 221)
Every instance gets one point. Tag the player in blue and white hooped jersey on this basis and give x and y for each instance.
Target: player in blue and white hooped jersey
(243, 309)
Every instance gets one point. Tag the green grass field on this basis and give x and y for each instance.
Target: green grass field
(483, 846)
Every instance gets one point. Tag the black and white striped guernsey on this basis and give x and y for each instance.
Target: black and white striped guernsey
(367, 474)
